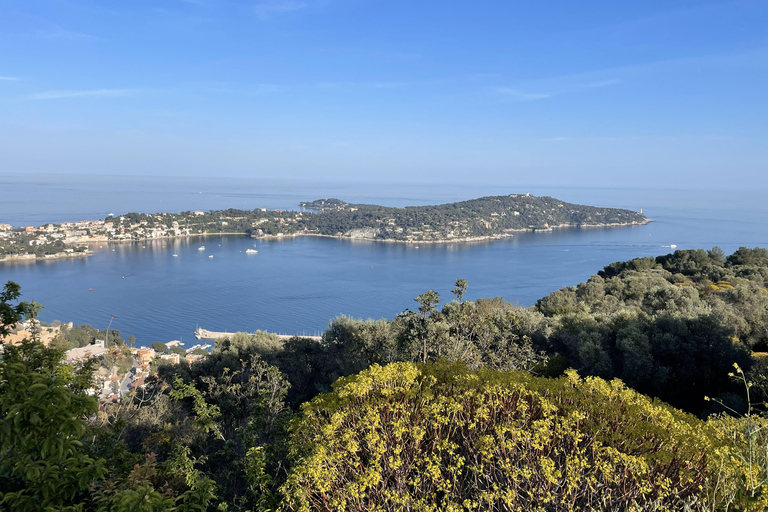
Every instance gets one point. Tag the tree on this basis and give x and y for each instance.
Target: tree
(159, 346)
(460, 289)
(717, 255)
(230, 415)
(422, 334)
(11, 314)
(42, 406)
(746, 256)
(427, 302)
(46, 460)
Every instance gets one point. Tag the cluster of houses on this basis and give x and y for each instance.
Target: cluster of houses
(144, 230)
(108, 383)
(67, 232)
(111, 384)
(94, 231)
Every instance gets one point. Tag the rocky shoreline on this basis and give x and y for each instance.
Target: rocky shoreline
(31, 258)
(508, 234)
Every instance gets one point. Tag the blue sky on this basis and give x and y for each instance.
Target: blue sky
(548, 92)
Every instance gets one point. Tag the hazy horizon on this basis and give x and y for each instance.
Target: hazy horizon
(577, 94)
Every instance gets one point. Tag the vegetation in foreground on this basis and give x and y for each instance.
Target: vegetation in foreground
(458, 407)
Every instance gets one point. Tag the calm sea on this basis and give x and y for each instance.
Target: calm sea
(298, 285)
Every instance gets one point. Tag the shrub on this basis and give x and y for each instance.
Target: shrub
(441, 437)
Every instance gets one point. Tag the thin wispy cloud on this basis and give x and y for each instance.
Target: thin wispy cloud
(265, 10)
(555, 89)
(9, 78)
(517, 95)
(91, 93)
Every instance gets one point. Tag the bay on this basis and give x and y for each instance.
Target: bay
(296, 285)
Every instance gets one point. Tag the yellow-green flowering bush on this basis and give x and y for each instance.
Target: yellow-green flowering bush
(739, 476)
(440, 437)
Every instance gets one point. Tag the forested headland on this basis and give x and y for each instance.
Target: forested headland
(484, 218)
(640, 389)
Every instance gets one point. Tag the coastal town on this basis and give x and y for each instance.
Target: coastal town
(122, 368)
(73, 238)
(476, 219)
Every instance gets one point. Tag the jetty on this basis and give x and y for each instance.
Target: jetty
(205, 334)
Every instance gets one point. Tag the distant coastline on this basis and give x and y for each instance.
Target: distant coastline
(476, 220)
(486, 238)
(467, 240)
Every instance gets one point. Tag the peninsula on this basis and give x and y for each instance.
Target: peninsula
(476, 219)
(486, 217)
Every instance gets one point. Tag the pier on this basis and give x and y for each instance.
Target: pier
(205, 334)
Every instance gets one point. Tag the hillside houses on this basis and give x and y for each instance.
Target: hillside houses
(79, 354)
(172, 358)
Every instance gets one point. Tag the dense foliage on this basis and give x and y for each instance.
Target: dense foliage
(12, 310)
(486, 216)
(42, 406)
(439, 437)
(670, 326)
(84, 334)
(483, 333)
(460, 405)
(31, 244)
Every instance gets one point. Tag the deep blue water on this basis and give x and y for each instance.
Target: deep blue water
(298, 285)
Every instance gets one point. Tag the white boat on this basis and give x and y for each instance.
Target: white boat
(175, 255)
(211, 256)
(251, 251)
(201, 248)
